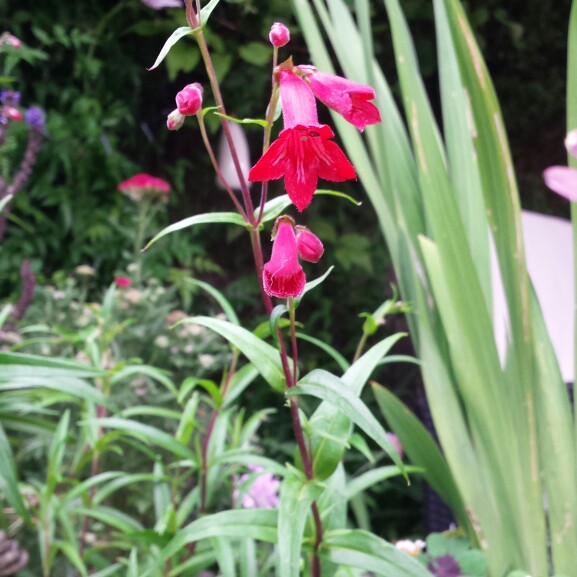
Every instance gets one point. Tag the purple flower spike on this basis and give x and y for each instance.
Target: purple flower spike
(35, 118)
(10, 97)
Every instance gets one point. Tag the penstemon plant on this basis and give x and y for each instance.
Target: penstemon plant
(310, 526)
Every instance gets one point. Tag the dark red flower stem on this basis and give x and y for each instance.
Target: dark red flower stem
(290, 375)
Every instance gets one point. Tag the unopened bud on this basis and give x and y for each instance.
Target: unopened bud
(279, 35)
(309, 245)
(174, 120)
(189, 99)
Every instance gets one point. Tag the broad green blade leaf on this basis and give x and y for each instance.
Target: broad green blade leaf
(356, 548)
(296, 497)
(9, 479)
(213, 217)
(172, 40)
(557, 447)
(325, 386)
(422, 451)
(264, 357)
(148, 434)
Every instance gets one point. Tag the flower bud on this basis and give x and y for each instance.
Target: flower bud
(174, 120)
(189, 99)
(309, 245)
(279, 35)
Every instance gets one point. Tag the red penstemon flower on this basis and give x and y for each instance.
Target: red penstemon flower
(283, 276)
(304, 152)
(350, 99)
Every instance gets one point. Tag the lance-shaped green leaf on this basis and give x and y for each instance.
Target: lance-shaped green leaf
(259, 524)
(330, 427)
(357, 548)
(262, 355)
(296, 496)
(325, 386)
(148, 434)
(218, 297)
(172, 40)
(210, 217)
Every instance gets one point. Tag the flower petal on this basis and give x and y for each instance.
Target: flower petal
(272, 164)
(562, 180)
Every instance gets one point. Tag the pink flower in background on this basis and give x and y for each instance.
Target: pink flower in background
(304, 152)
(279, 35)
(189, 99)
(348, 98)
(122, 281)
(145, 187)
(160, 4)
(8, 39)
(283, 276)
(263, 491)
(563, 179)
(309, 245)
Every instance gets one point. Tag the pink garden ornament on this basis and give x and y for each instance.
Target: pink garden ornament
(563, 179)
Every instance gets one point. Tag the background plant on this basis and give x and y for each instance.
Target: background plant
(438, 200)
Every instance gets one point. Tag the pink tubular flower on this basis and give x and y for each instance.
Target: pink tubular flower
(189, 99)
(563, 179)
(348, 98)
(283, 276)
(145, 187)
(309, 245)
(122, 281)
(303, 152)
(279, 35)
